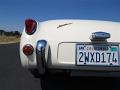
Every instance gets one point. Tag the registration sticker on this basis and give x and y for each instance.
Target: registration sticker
(113, 49)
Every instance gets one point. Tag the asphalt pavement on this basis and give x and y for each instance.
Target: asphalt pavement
(14, 77)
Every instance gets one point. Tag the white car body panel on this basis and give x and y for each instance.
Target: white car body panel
(56, 32)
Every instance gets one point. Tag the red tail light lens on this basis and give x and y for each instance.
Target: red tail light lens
(28, 49)
(30, 26)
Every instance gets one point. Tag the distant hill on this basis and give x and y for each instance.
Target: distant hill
(9, 33)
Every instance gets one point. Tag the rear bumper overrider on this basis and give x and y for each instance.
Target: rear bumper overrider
(40, 56)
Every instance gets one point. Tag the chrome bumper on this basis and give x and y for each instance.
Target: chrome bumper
(40, 56)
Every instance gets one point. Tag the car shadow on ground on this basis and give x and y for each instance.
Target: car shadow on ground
(58, 82)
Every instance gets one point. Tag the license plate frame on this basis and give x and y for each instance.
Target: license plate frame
(113, 45)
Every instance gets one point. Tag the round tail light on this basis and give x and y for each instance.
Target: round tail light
(28, 49)
(30, 26)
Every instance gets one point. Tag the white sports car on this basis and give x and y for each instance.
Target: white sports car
(76, 47)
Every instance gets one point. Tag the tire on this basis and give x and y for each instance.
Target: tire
(35, 73)
(43, 78)
(44, 82)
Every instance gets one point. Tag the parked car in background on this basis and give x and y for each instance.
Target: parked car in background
(75, 47)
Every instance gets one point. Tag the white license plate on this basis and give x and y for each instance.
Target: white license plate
(97, 54)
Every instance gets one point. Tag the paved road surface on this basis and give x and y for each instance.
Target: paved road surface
(14, 77)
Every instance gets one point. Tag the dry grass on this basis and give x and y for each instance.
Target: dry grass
(9, 39)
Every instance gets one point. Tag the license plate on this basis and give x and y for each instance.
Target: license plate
(97, 54)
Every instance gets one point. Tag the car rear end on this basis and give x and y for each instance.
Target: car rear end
(80, 47)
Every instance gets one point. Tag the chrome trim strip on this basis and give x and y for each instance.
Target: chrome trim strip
(40, 55)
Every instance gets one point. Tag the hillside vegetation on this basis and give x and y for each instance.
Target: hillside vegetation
(9, 37)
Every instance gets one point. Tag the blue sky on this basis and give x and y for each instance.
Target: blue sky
(14, 12)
